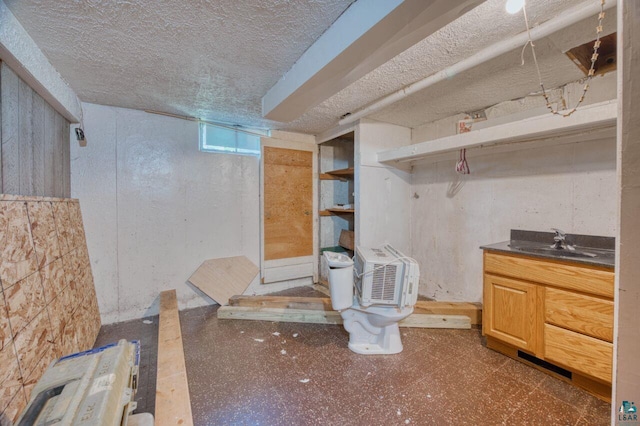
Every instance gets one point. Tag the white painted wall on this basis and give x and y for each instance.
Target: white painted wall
(382, 192)
(570, 187)
(567, 186)
(154, 208)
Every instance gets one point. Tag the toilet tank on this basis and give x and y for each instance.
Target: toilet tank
(385, 276)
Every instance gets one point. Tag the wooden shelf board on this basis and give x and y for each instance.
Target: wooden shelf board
(587, 119)
(342, 174)
(329, 212)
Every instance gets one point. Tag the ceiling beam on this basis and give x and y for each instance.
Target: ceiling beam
(24, 57)
(368, 34)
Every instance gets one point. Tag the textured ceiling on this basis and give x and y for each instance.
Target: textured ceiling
(212, 59)
(216, 59)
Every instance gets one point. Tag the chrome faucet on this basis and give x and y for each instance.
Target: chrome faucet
(561, 240)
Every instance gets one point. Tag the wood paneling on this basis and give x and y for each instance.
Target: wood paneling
(48, 305)
(568, 275)
(35, 142)
(288, 203)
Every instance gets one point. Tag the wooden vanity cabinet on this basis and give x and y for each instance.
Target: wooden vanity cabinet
(560, 313)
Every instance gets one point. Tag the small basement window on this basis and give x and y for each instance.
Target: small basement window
(221, 139)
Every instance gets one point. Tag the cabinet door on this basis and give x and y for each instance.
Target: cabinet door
(510, 311)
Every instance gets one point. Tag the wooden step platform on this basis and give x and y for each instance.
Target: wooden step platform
(317, 310)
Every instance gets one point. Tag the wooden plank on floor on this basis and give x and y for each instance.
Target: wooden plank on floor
(282, 302)
(471, 310)
(309, 316)
(220, 279)
(316, 316)
(173, 405)
(436, 321)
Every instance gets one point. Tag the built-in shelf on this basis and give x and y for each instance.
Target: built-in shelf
(588, 122)
(342, 174)
(329, 212)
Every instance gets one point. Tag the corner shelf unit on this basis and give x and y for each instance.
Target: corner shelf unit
(587, 123)
(336, 190)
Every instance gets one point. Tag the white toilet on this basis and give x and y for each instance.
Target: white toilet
(386, 287)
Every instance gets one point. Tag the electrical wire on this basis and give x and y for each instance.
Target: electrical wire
(462, 167)
(591, 73)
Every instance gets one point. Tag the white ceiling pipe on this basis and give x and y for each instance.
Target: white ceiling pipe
(567, 18)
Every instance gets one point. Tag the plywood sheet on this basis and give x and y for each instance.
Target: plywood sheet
(48, 307)
(43, 229)
(32, 343)
(5, 330)
(288, 203)
(10, 383)
(173, 405)
(24, 301)
(17, 255)
(63, 227)
(53, 279)
(222, 278)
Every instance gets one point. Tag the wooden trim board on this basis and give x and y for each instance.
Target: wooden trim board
(471, 310)
(280, 302)
(317, 316)
(173, 405)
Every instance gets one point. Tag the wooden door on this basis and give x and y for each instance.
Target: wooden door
(288, 213)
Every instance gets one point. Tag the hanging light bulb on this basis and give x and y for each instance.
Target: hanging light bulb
(514, 6)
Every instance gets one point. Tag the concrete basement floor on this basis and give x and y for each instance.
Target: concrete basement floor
(258, 373)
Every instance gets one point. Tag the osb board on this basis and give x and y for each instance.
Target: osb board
(288, 203)
(48, 305)
(222, 278)
(173, 405)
